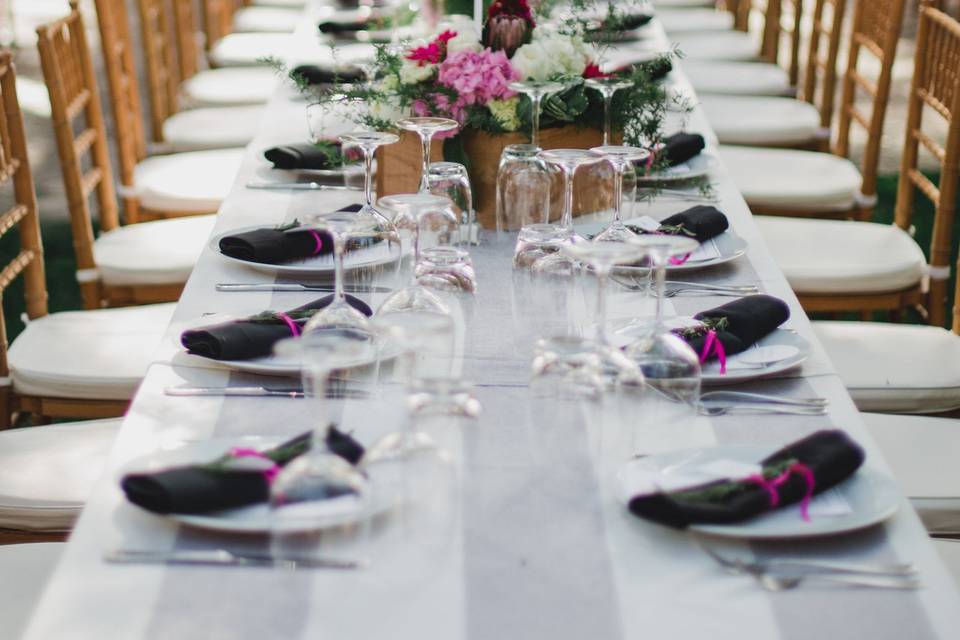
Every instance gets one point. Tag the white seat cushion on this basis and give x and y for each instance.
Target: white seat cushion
(28, 568)
(720, 45)
(678, 3)
(758, 120)
(212, 127)
(949, 551)
(101, 354)
(230, 86)
(160, 252)
(737, 78)
(48, 472)
(923, 453)
(250, 49)
(292, 4)
(842, 256)
(895, 368)
(187, 182)
(266, 19)
(687, 20)
(788, 179)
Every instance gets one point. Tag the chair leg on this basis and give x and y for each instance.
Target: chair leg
(6, 408)
(10, 536)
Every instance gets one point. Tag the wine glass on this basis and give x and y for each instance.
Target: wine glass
(319, 502)
(368, 141)
(569, 160)
(413, 211)
(373, 233)
(622, 158)
(669, 365)
(607, 87)
(450, 179)
(536, 91)
(426, 128)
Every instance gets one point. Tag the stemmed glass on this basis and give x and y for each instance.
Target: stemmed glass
(426, 128)
(607, 87)
(622, 158)
(569, 160)
(411, 211)
(536, 91)
(669, 365)
(368, 141)
(318, 491)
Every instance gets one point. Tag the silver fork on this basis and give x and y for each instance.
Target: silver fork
(765, 408)
(830, 566)
(719, 293)
(720, 395)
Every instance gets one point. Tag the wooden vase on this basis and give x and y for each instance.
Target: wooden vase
(399, 168)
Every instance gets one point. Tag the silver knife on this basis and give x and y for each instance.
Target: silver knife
(300, 186)
(262, 392)
(295, 286)
(224, 558)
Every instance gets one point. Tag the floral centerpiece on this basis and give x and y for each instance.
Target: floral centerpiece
(465, 75)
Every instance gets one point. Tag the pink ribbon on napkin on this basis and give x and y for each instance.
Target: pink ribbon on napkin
(677, 261)
(294, 329)
(269, 473)
(772, 486)
(713, 346)
(318, 239)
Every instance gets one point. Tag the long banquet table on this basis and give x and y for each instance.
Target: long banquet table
(536, 551)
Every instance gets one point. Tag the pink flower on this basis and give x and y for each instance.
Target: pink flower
(434, 52)
(593, 71)
(478, 78)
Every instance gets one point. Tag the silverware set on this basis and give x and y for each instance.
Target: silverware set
(296, 286)
(785, 574)
(259, 392)
(674, 288)
(225, 558)
(300, 186)
(718, 403)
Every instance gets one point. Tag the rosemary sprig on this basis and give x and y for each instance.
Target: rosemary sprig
(712, 493)
(706, 325)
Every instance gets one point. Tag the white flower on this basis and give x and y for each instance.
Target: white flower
(464, 41)
(552, 54)
(411, 72)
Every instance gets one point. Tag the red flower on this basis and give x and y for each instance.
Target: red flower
(518, 8)
(593, 71)
(433, 53)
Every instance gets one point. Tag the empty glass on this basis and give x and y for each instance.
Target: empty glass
(426, 128)
(566, 367)
(320, 503)
(523, 188)
(451, 180)
(448, 269)
(536, 91)
(569, 160)
(622, 159)
(607, 87)
(318, 113)
(368, 142)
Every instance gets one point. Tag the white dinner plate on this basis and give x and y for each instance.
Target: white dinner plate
(272, 365)
(314, 265)
(738, 370)
(696, 167)
(871, 496)
(253, 519)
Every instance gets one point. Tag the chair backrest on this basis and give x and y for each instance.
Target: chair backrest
(163, 75)
(934, 90)
(217, 20)
(185, 21)
(15, 168)
(875, 32)
(781, 21)
(122, 80)
(820, 74)
(81, 139)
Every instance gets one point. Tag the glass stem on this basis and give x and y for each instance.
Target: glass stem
(607, 99)
(368, 175)
(661, 276)
(567, 221)
(339, 251)
(535, 99)
(602, 272)
(617, 193)
(318, 386)
(425, 138)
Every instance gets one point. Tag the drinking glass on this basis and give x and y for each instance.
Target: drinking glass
(426, 128)
(669, 365)
(368, 141)
(523, 188)
(419, 213)
(622, 158)
(566, 367)
(317, 114)
(446, 268)
(569, 160)
(451, 180)
(607, 87)
(320, 503)
(536, 91)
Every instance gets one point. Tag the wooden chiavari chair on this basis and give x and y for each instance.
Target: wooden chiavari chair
(808, 184)
(698, 20)
(158, 186)
(214, 87)
(228, 48)
(738, 46)
(70, 364)
(803, 122)
(137, 264)
(191, 129)
(861, 266)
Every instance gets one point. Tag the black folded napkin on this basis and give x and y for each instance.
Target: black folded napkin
(628, 22)
(656, 69)
(680, 147)
(304, 156)
(279, 244)
(255, 337)
(738, 324)
(807, 467)
(215, 486)
(334, 28)
(701, 222)
(314, 74)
